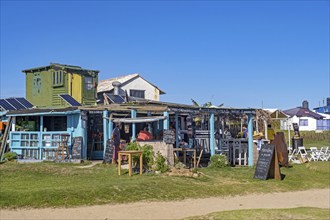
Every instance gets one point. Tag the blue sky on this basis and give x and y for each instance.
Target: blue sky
(240, 53)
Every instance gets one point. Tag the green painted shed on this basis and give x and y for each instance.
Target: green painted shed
(45, 84)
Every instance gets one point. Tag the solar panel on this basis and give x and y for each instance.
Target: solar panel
(5, 105)
(115, 98)
(24, 102)
(17, 105)
(69, 99)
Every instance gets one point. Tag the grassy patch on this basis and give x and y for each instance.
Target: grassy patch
(295, 213)
(58, 185)
(312, 143)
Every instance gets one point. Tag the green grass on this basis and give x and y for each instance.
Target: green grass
(312, 143)
(296, 213)
(58, 185)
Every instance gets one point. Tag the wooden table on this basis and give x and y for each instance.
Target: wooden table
(185, 150)
(129, 154)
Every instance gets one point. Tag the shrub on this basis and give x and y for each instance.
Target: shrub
(10, 156)
(219, 161)
(160, 163)
(147, 154)
(133, 146)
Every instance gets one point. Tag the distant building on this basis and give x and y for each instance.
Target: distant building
(305, 118)
(324, 109)
(324, 124)
(133, 85)
(45, 84)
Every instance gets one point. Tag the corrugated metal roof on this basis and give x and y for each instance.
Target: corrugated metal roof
(42, 110)
(63, 66)
(106, 85)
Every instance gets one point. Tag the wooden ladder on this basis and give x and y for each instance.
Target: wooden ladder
(3, 147)
(62, 150)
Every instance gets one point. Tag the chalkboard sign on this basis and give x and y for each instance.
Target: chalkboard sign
(267, 165)
(76, 147)
(108, 152)
(169, 136)
(296, 129)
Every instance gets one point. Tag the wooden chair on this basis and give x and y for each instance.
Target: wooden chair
(293, 157)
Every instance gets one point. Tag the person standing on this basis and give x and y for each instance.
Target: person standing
(116, 143)
(245, 132)
(271, 133)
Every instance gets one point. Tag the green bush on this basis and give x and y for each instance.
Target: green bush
(219, 161)
(10, 156)
(160, 163)
(147, 154)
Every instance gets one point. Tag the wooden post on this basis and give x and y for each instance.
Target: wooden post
(13, 124)
(130, 164)
(166, 121)
(119, 163)
(40, 136)
(176, 130)
(133, 115)
(105, 131)
(194, 158)
(141, 164)
(266, 129)
(212, 147)
(110, 125)
(184, 156)
(250, 140)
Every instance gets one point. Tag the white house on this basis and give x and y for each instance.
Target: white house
(134, 85)
(305, 123)
(305, 118)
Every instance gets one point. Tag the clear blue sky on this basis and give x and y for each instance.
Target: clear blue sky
(240, 53)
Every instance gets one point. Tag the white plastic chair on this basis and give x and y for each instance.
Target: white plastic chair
(303, 153)
(324, 154)
(314, 154)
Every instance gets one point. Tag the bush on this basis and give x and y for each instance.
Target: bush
(160, 163)
(10, 156)
(219, 161)
(147, 154)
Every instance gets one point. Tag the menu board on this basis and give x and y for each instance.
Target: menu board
(296, 129)
(267, 165)
(76, 147)
(108, 152)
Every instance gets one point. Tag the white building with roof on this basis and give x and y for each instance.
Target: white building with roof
(134, 85)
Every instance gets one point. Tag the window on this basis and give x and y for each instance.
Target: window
(88, 83)
(58, 78)
(137, 93)
(303, 122)
(55, 123)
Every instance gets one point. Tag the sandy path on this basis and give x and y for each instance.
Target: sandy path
(175, 210)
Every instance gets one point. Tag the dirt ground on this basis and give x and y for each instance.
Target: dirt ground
(319, 198)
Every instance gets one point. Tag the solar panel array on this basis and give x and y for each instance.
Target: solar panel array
(69, 99)
(24, 102)
(115, 98)
(11, 104)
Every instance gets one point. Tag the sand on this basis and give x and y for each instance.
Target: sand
(319, 198)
